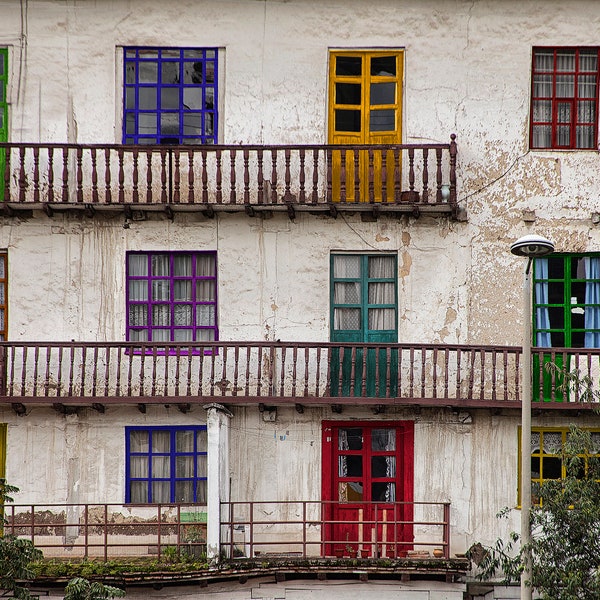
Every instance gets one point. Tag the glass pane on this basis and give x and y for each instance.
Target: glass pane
(184, 491)
(138, 315)
(201, 466)
(346, 319)
(148, 72)
(535, 441)
(383, 439)
(584, 136)
(565, 86)
(383, 492)
(139, 441)
(350, 439)
(551, 468)
(182, 291)
(205, 265)
(182, 314)
(201, 492)
(147, 98)
(161, 289)
(347, 93)
(138, 335)
(205, 335)
(565, 60)
(552, 442)
(544, 60)
(138, 491)
(382, 319)
(542, 136)
(346, 292)
(160, 265)
(138, 467)
(205, 291)
(563, 135)
(147, 124)
(192, 124)
(184, 441)
(161, 467)
(161, 441)
(192, 72)
(183, 335)
(209, 98)
(586, 86)
(130, 123)
(542, 110)
(138, 289)
(383, 466)
(205, 315)
(382, 293)
(138, 265)
(383, 93)
(383, 120)
(383, 65)
(347, 120)
(345, 267)
(161, 491)
(169, 98)
(170, 72)
(210, 71)
(348, 65)
(350, 491)
(201, 440)
(192, 98)
(542, 86)
(169, 124)
(184, 466)
(588, 60)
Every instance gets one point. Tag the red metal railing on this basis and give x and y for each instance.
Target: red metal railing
(230, 176)
(308, 528)
(303, 528)
(304, 373)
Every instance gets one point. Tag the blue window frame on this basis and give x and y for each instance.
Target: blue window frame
(172, 296)
(166, 464)
(170, 95)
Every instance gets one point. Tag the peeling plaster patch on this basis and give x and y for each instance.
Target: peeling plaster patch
(406, 265)
(381, 238)
(274, 306)
(405, 238)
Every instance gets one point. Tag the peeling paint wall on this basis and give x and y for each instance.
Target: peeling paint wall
(467, 72)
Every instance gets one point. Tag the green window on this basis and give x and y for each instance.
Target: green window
(567, 301)
(3, 113)
(364, 310)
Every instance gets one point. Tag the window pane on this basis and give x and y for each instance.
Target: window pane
(382, 319)
(184, 466)
(201, 440)
(544, 60)
(381, 293)
(381, 267)
(161, 467)
(347, 120)
(161, 289)
(588, 60)
(201, 465)
(182, 291)
(350, 491)
(346, 267)
(542, 110)
(205, 315)
(138, 466)
(170, 72)
(205, 291)
(383, 439)
(138, 265)
(138, 491)
(139, 441)
(161, 491)
(205, 265)
(383, 466)
(346, 292)
(184, 491)
(383, 66)
(350, 439)
(383, 492)
(348, 65)
(383, 120)
(148, 72)
(383, 93)
(201, 492)
(138, 289)
(138, 314)
(184, 441)
(542, 136)
(346, 318)
(348, 93)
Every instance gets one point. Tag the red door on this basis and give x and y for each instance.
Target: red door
(367, 486)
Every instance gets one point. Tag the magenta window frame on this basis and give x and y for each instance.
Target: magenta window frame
(149, 278)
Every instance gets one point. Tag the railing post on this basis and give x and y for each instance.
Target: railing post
(446, 528)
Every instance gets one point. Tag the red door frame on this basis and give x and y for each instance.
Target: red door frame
(404, 479)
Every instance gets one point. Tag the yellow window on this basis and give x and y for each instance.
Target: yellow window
(365, 108)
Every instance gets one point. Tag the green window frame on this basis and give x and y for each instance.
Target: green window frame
(3, 113)
(566, 301)
(546, 449)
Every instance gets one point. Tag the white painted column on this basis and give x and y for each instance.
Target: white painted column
(217, 425)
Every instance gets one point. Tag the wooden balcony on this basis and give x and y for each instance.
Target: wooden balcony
(68, 375)
(406, 178)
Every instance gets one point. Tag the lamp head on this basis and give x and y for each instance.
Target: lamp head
(532, 246)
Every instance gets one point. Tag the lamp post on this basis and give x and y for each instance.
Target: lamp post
(529, 246)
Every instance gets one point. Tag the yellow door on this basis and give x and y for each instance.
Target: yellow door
(365, 100)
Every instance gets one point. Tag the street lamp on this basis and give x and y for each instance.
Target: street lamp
(529, 246)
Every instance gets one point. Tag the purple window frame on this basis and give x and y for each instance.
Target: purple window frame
(196, 88)
(150, 278)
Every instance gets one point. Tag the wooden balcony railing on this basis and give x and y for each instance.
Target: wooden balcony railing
(405, 177)
(99, 373)
(248, 529)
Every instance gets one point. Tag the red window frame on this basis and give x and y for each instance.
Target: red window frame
(564, 110)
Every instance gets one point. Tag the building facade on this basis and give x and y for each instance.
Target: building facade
(206, 301)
